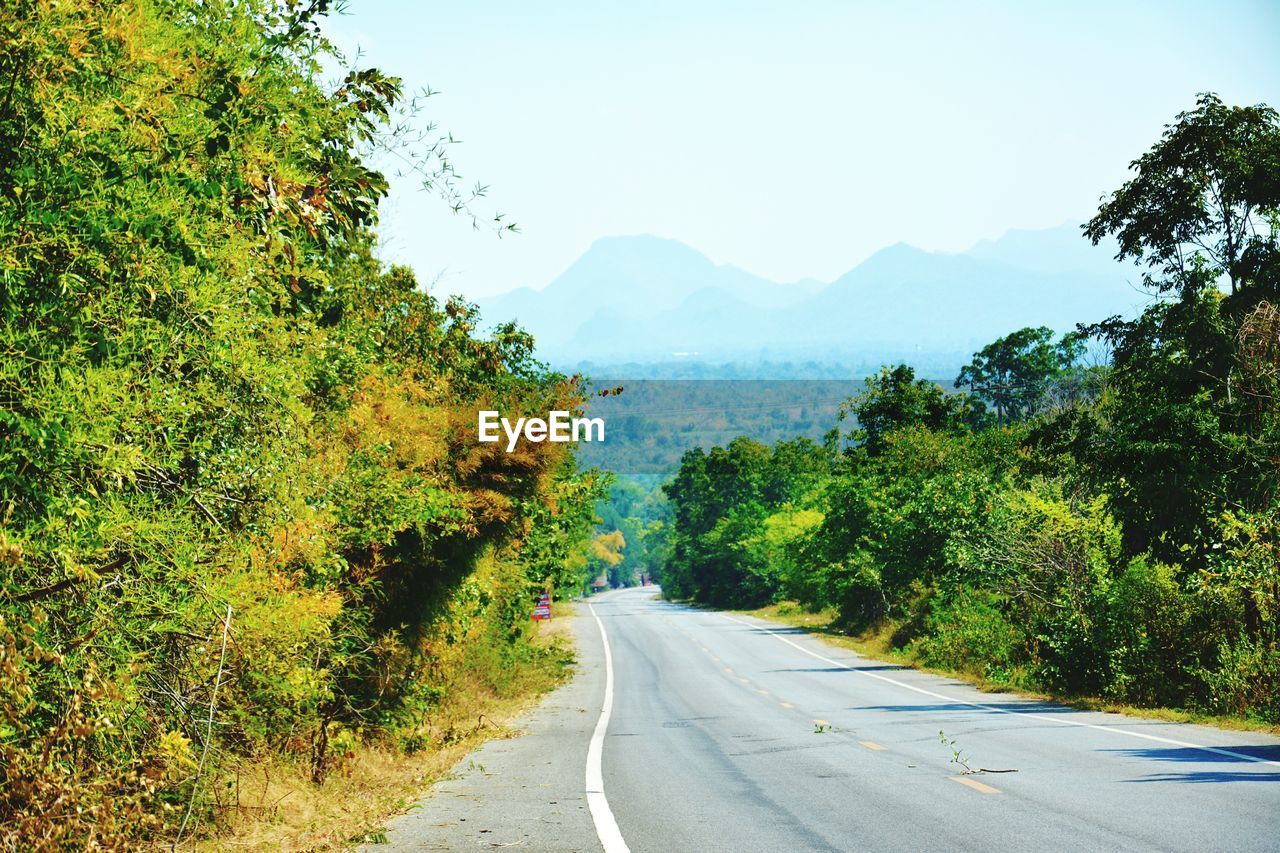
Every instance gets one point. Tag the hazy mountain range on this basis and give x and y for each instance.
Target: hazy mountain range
(644, 299)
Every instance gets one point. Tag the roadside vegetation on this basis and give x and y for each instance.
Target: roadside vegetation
(248, 538)
(1094, 514)
(632, 528)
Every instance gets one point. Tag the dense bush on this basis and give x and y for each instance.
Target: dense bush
(968, 630)
(243, 513)
(722, 501)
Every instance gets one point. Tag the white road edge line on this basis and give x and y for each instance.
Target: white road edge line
(1243, 756)
(606, 826)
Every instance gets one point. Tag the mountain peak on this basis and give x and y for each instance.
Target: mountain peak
(898, 250)
(1062, 248)
(631, 296)
(900, 259)
(647, 247)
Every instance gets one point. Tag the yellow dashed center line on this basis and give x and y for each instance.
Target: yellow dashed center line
(872, 745)
(974, 784)
(730, 671)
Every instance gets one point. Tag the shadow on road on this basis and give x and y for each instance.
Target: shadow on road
(1266, 752)
(875, 667)
(786, 630)
(1200, 756)
(1203, 776)
(989, 708)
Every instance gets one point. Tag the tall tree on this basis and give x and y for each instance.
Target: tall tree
(1014, 372)
(1181, 443)
(894, 399)
(1204, 201)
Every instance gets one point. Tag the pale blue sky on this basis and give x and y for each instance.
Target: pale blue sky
(791, 139)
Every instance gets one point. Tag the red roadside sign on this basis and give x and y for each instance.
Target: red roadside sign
(543, 609)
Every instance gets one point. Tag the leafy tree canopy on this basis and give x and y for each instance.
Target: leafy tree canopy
(1204, 201)
(894, 399)
(1013, 373)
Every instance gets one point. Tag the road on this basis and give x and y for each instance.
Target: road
(730, 733)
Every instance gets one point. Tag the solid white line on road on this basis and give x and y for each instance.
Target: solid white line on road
(601, 814)
(1242, 756)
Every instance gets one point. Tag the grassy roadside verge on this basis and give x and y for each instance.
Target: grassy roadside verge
(876, 644)
(277, 807)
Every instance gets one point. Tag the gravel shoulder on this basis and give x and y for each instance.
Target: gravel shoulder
(526, 791)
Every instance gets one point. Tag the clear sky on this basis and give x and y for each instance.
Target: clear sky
(792, 139)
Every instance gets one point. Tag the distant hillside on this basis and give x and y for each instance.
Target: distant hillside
(653, 423)
(625, 280)
(647, 300)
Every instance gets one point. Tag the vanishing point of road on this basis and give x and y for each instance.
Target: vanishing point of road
(694, 730)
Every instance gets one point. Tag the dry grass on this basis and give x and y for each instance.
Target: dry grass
(560, 628)
(876, 643)
(279, 808)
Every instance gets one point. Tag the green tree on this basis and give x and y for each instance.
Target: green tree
(636, 507)
(1113, 530)
(1204, 201)
(890, 517)
(894, 399)
(1178, 441)
(720, 501)
(1014, 373)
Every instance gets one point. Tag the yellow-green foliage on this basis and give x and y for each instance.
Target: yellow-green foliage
(214, 400)
(607, 547)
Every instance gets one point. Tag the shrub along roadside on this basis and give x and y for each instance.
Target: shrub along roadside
(878, 642)
(479, 691)
(944, 549)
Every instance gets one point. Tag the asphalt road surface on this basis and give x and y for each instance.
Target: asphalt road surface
(707, 731)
